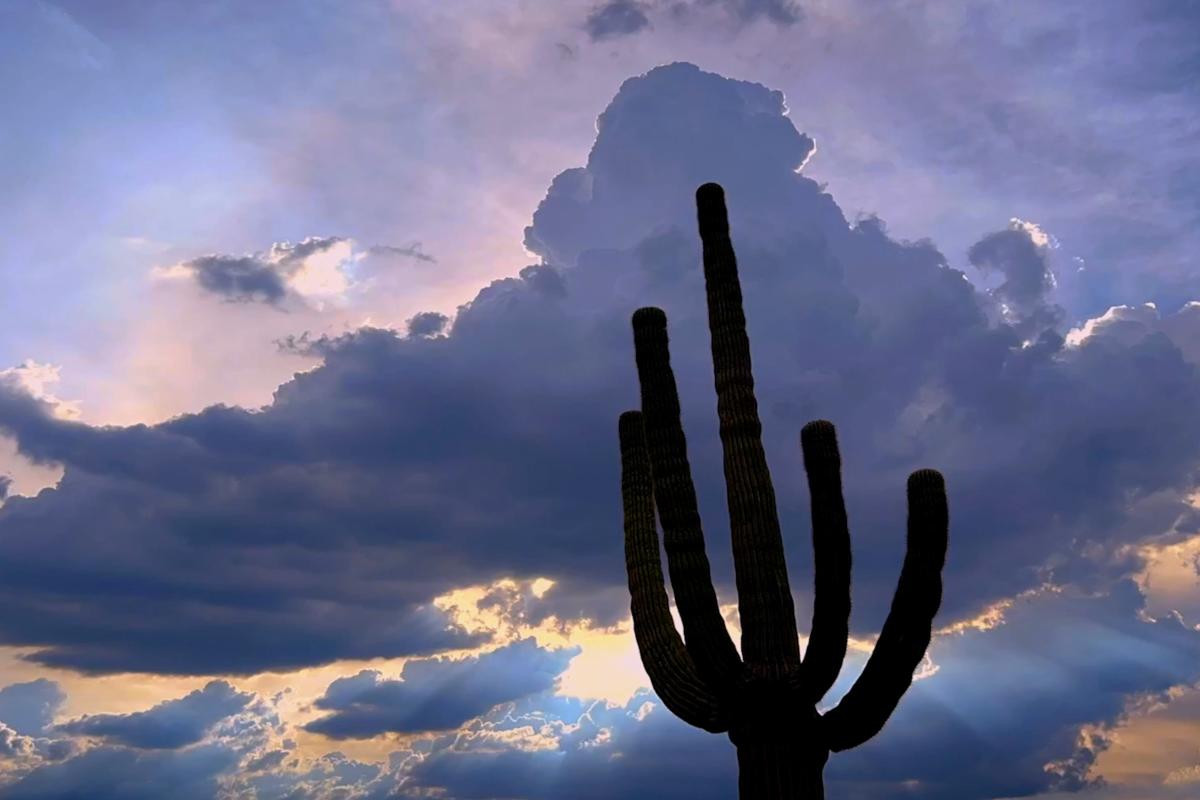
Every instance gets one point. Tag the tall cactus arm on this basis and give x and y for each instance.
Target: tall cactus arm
(672, 673)
(704, 631)
(831, 560)
(768, 615)
(866, 707)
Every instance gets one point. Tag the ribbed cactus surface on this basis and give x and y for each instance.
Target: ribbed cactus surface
(766, 697)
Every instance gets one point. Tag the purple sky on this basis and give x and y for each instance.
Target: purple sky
(316, 332)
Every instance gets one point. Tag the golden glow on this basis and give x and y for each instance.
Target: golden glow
(608, 666)
(27, 477)
(1169, 579)
(1155, 744)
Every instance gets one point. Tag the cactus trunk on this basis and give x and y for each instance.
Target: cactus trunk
(779, 770)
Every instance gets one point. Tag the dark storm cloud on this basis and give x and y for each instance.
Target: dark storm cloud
(427, 323)
(322, 526)
(438, 693)
(781, 12)
(242, 279)
(109, 773)
(413, 251)
(261, 277)
(169, 725)
(693, 131)
(1014, 254)
(1028, 280)
(270, 760)
(616, 18)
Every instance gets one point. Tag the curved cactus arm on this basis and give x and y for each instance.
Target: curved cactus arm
(905, 636)
(765, 604)
(831, 560)
(672, 673)
(704, 629)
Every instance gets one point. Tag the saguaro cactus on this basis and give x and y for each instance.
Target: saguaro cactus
(766, 698)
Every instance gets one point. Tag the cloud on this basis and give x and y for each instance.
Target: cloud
(427, 323)
(413, 251)
(27, 711)
(13, 745)
(123, 774)
(616, 18)
(1019, 258)
(590, 750)
(1059, 661)
(1003, 710)
(270, 276)
(270, 760)
(701, 127)
(241, 279)
(188, 748)
(169, 725)
(333, 775)
(1129, 325)
(29, 708)
(20, 753)
(781, 12)
(1025, 707)
(437, 694)
(36, 380)
(1018, 254)
(324, 525)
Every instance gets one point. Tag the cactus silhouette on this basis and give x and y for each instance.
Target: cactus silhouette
(766, 697)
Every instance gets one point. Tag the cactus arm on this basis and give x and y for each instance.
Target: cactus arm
(670, 668)
(831, 560)
(707, 639)
(908, 629)
(765, 604)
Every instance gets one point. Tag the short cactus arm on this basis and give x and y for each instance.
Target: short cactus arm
(671, 671)
(908, 629)
(704, 630)
(768, 615)
(831, 560)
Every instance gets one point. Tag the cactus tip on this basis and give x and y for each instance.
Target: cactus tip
(629, 421)
(926, 479)
(649, 317)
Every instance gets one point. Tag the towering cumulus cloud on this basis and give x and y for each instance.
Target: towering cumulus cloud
(405, 466)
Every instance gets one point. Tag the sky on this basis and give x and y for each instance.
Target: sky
(315, 330)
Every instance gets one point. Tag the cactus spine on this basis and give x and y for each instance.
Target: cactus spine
(765, 698)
